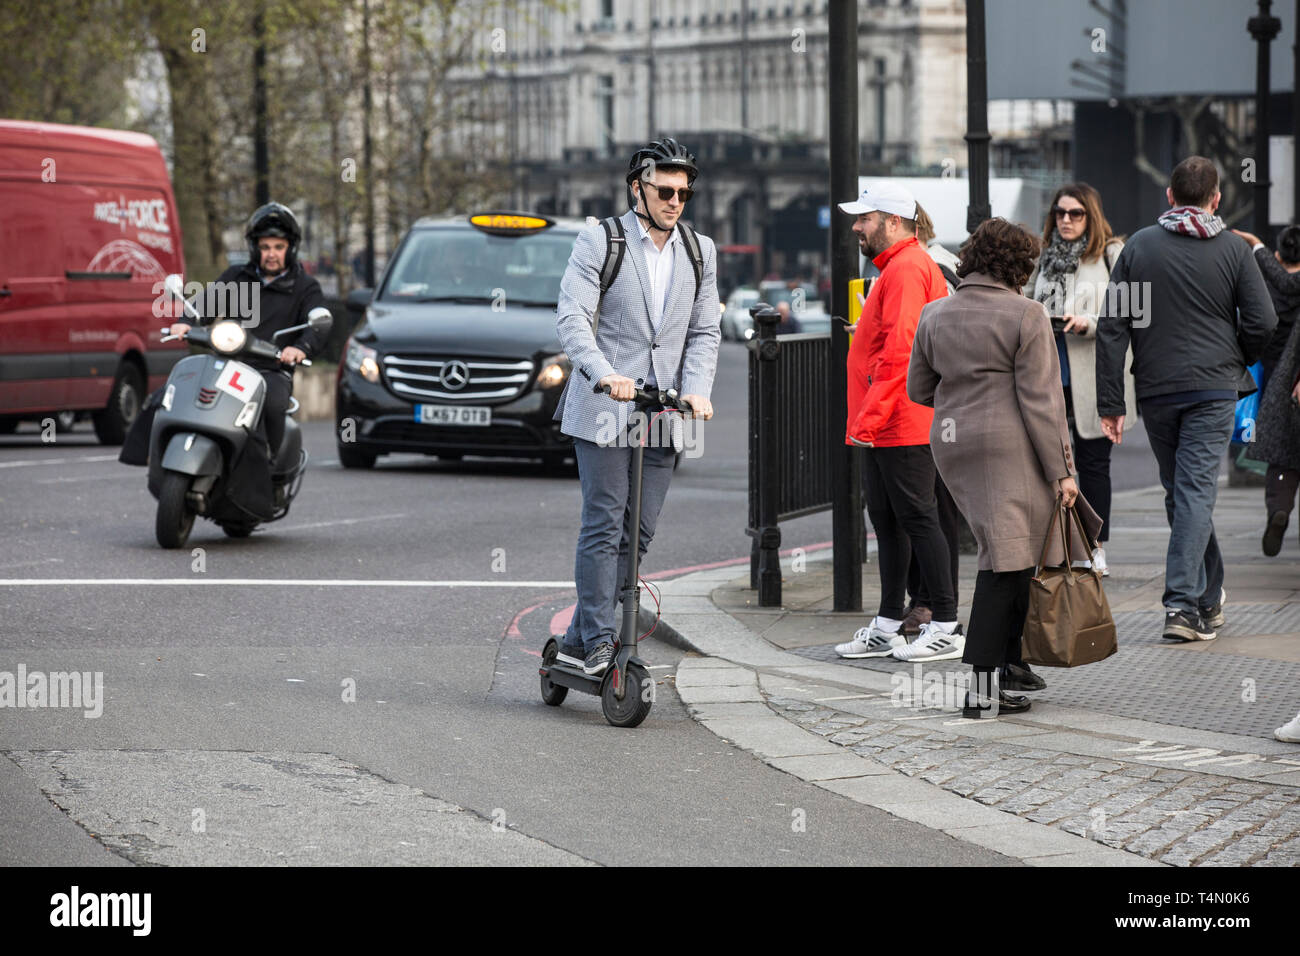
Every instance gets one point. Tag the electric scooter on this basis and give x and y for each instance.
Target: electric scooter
(211, 405)
(626, 689)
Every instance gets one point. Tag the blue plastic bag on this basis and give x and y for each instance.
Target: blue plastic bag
(1243, 429)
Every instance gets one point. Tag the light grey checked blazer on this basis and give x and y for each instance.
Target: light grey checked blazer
(684, 350)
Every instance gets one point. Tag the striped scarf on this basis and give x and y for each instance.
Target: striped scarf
(1192, 221)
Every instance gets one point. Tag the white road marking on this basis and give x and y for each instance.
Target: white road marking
(326, 524)
(58, 481)
(822, 700)
(54, 461)
(273, 582)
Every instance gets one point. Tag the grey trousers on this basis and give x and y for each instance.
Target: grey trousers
(601, 562)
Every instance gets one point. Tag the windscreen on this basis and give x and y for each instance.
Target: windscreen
(466, 264)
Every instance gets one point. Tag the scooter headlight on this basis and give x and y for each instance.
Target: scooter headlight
(228, 337)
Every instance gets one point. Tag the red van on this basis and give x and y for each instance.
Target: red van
(87, 234)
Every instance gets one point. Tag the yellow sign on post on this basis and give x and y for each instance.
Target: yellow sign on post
(857, 298)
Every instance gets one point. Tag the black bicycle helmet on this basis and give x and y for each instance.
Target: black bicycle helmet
(663, 152)
(273, 219)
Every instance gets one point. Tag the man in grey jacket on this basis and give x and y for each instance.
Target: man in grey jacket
(1195, 308)
(658, 327)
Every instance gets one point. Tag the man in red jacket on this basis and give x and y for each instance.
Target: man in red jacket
(898, 472)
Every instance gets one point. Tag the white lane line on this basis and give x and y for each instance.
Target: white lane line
(54, 461)
(274, 582)
(822, 700)
(66, 478)
(326, 524)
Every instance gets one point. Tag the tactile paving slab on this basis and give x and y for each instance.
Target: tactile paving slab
(1151, 679)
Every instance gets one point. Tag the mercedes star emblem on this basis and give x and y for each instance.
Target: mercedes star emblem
(455, 376)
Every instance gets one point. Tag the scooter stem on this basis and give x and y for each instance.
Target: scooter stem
(631, 592)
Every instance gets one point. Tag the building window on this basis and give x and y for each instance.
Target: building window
(878, 81)
(605, 112)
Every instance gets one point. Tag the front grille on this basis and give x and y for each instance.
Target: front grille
(207, 396)
(416, 377)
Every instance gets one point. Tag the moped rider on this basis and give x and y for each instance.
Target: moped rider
(279, 293)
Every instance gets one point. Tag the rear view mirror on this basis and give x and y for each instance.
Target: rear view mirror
(175, 285)
(320, 319)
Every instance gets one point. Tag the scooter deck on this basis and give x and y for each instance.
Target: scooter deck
(575, 678)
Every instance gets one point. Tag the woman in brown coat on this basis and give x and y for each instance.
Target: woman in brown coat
(985, 359)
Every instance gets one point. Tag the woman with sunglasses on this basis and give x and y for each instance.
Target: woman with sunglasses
(1070, 280)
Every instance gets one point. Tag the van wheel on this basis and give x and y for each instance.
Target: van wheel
(175, 519)
(351, 458)
(112, 422)
(7, 425)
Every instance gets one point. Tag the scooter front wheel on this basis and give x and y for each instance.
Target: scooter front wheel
(638, 696)
(552, 694)
(175, 517)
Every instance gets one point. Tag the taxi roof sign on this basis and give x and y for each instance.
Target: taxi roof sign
(510, 223)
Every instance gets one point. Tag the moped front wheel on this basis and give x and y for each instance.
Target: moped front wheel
(175, 517)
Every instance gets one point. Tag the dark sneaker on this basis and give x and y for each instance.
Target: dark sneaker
(573, 656)
(1214, 615)
(598, 659)
(1185, 626)
(1019, 677)
(1272, 542)
(914, 618)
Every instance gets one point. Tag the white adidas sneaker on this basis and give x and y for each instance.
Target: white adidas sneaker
(933, 644)
(871, 641)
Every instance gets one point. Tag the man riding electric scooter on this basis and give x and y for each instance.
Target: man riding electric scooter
(651, 326)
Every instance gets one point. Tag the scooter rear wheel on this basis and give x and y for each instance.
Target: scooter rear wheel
(552, 694)
(175, 518)
(637, 700)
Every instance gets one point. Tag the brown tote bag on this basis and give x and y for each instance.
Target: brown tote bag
(1069, 620)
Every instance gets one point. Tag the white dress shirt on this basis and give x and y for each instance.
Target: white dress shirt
(659, 265)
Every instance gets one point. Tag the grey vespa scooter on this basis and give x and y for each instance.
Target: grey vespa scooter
(210, 406)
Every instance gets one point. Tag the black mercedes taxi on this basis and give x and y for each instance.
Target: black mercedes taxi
(457, 353)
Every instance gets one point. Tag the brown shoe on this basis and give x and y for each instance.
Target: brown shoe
(915, 617)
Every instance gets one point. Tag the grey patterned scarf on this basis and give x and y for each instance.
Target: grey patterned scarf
(1059, 259)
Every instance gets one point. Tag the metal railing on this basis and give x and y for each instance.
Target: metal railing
(789, 455)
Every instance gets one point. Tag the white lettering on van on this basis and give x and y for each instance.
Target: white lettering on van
(145, 214)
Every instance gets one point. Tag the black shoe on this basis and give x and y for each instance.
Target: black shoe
(573, 656)
(1185, 626)
(1213, 615)
(1019, 677)
(598, 659)
(978, 706)
(1277, 523)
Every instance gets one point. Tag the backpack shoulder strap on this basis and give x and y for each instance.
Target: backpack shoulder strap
(692, 243)
(615, 247)
(949, 276)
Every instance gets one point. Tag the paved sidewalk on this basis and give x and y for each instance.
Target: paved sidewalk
(1162, 754)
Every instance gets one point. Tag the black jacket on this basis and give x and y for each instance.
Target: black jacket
(281, 303)
(1284, 291)
(1207, 315)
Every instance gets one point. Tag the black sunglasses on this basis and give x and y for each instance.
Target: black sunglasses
(1060, 212)
(666, 192)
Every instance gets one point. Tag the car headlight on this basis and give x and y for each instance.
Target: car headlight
(555, 369)
(363, 360)
(228, 337)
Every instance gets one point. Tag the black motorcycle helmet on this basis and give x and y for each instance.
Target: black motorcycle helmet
(664, 153)
(273, 219)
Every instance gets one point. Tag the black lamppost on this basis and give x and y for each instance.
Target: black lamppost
(846, 483)
(977, 122)
(1263, 29)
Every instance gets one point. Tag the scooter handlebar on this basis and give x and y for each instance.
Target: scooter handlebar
(667, 397)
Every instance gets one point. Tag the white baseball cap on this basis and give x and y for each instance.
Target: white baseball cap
(883, 197)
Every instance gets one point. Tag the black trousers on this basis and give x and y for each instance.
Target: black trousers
(950, 521)
(1092, 457)
(899, 487)
(1280, 486)
(997, 618)
(279, 389)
